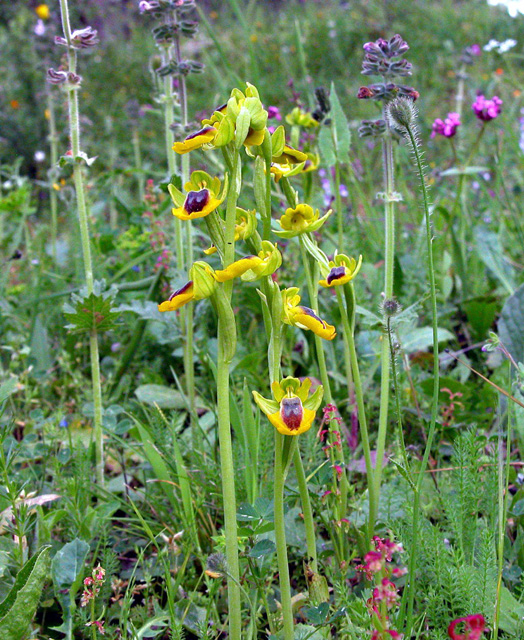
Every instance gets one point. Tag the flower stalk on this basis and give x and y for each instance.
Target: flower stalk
(74, 130)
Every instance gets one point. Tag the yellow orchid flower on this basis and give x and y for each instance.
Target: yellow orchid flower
(251, 268)
(196, 140)
(201, 285)
(242, 119)
(292, 411)
(289, 155)
(341, 270)
(271, 261)
(286, 170)
(238, 268)
(304, 317)
(298, 117)
(203, 196)
(245, 225)
(301, 219)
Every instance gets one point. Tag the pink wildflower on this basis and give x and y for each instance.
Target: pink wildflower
(447, 127)
(473, 626)
(487, 109)
(274, 112)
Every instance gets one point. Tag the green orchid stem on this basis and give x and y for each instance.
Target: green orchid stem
(53, 146)
(307, 511)
(349, 347)
(280, 538)
(189, 367)
(224, 424)
(387, 161)
(434, 404)
(74, 129)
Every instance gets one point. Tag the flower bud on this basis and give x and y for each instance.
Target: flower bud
(401, 113)
(204, 284)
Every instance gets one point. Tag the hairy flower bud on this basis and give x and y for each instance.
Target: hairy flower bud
(56, 77)
(401, 113)
(80, 39)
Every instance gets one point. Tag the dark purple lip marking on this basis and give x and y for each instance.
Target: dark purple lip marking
(291, 412)
(201, 132)
(182, 290)
(196, 201)
(310, 312)
(335, 274)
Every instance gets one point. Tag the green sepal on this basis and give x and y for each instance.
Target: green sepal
(242, 127)
(259, 181)
(266, 406)
(278, 141)
(227, 318)
(314, 400)
(177, 196)
(225, 132)
(91, 312)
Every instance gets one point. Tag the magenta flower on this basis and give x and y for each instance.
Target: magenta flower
(475, 50)
(473, 627)
(274, 112)
(485, 109)
(447, 127)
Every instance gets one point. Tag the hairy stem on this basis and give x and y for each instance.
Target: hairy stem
(74, 129)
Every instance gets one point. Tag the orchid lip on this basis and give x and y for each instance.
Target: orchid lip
(292, 413)
(196, 201)
(201, 132)
(335, 274)
(182, 290)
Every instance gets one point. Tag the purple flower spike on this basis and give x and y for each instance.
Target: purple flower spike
(486, 109)
(447, 127)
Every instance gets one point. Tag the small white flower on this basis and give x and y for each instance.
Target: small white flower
(513, 6)
(500, 47)
(39, 156)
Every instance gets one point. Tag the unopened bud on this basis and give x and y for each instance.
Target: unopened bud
(401, 113)
(390, 307)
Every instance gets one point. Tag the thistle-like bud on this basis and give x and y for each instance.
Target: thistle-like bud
(390, 307)
(401, 113)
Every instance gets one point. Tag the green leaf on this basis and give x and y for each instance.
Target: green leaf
(18, 608)
(94, 311)
(7, 388)
(318, 615)
(262, 548)
(511, 323)
(326, 146)
(68, 564)
(40, 354)
(421, 338)
(307, 632)
(158, 395)
(490, 251)
(341, 133)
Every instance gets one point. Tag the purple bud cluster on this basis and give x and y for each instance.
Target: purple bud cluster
(381, 58)
(80, 39)
(384, 58)
(61, 77)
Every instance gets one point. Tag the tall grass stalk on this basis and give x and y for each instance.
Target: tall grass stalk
(74, 130)
(404, 113)
(53, 156)
(390, 198)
